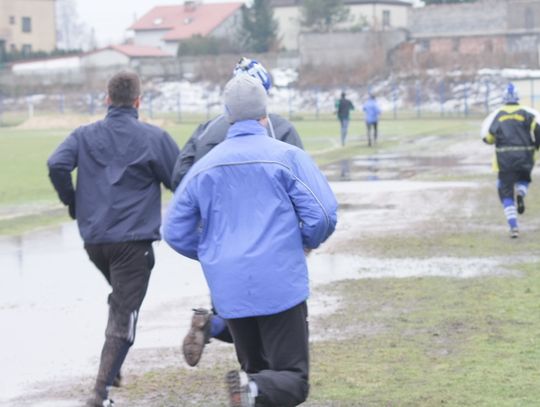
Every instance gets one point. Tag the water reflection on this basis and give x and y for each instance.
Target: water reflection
(391, 167)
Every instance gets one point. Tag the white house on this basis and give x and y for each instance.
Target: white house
(363, 14)
(165, 26)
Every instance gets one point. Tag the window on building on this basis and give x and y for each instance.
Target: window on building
(425, 45)
(26, 25)
(12, 20)
(488, 46)
(26, 49)
(386, 18)
(12, 48)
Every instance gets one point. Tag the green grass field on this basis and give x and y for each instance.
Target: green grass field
(23, 156)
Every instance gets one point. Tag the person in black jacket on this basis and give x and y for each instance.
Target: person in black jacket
(210, 134)
(121, 163)
(514, 131)
(343, 111)
(206, 324)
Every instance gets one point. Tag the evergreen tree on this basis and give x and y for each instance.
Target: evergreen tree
(323, 15)
(259, 27)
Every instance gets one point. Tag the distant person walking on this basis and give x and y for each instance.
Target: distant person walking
(371, 117)
(514, 131)
(120, 163)
(343, 110)
(249, 211)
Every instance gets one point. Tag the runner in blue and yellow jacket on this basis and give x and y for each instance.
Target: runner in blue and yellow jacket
(514, 131)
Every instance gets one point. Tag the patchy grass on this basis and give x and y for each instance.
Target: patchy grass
(443, 341)
(23, 156)
(396, 342)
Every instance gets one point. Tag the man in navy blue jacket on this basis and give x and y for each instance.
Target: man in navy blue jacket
(249, 210)
(120, 163)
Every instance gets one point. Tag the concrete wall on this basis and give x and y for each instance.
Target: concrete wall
(42, 36)
(524, 15)
(488, 16)
(346, 48)
(104, 58)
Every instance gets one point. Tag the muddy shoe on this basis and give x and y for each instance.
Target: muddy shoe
(197, 337)
(514, 233)
(239, 390)
(520, 204)
(98, 401)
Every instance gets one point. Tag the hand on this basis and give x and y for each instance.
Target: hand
(71, 210)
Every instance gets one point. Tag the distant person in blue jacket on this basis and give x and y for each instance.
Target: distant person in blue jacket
(343, 111)
(249, 211)
(121, 164)
(371, 116)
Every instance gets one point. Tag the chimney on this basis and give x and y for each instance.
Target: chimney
(190, 5)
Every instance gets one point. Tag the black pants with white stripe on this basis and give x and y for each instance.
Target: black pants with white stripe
(274, 351)
(126, 267)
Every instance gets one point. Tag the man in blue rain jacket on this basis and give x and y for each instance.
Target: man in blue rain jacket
(249, 211)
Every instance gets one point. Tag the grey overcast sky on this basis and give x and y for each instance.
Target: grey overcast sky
(110, 18)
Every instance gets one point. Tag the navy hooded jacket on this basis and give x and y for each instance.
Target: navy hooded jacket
(120, 164)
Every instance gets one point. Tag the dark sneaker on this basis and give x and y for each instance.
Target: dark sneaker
(97, 401)
(520, 204)
(514, 233)
(197, 337)
(239, 390)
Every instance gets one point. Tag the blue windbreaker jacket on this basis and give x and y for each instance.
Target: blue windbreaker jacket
(120, 164)
(246, 211)
(371, 111)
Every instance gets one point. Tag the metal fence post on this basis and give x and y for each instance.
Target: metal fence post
(30, 106)
(465, 101)
(442, 96)
(418, 100)
(487, 96)
(290, 102)
(394, 98)
(532, 93)
(317, 103)
(62, 103)
(179, 106)
(91, 105)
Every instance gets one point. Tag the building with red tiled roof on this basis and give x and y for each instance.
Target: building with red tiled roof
(165, 26)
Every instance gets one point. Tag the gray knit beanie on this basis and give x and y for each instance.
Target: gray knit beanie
(245, 99)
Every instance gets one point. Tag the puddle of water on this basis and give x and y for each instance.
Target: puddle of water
(53, 302)
(398, 167)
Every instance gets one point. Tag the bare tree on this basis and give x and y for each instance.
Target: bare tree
(323, 15)
(71, 32)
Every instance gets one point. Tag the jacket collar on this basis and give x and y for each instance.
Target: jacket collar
(118, 111)
(247, 128)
